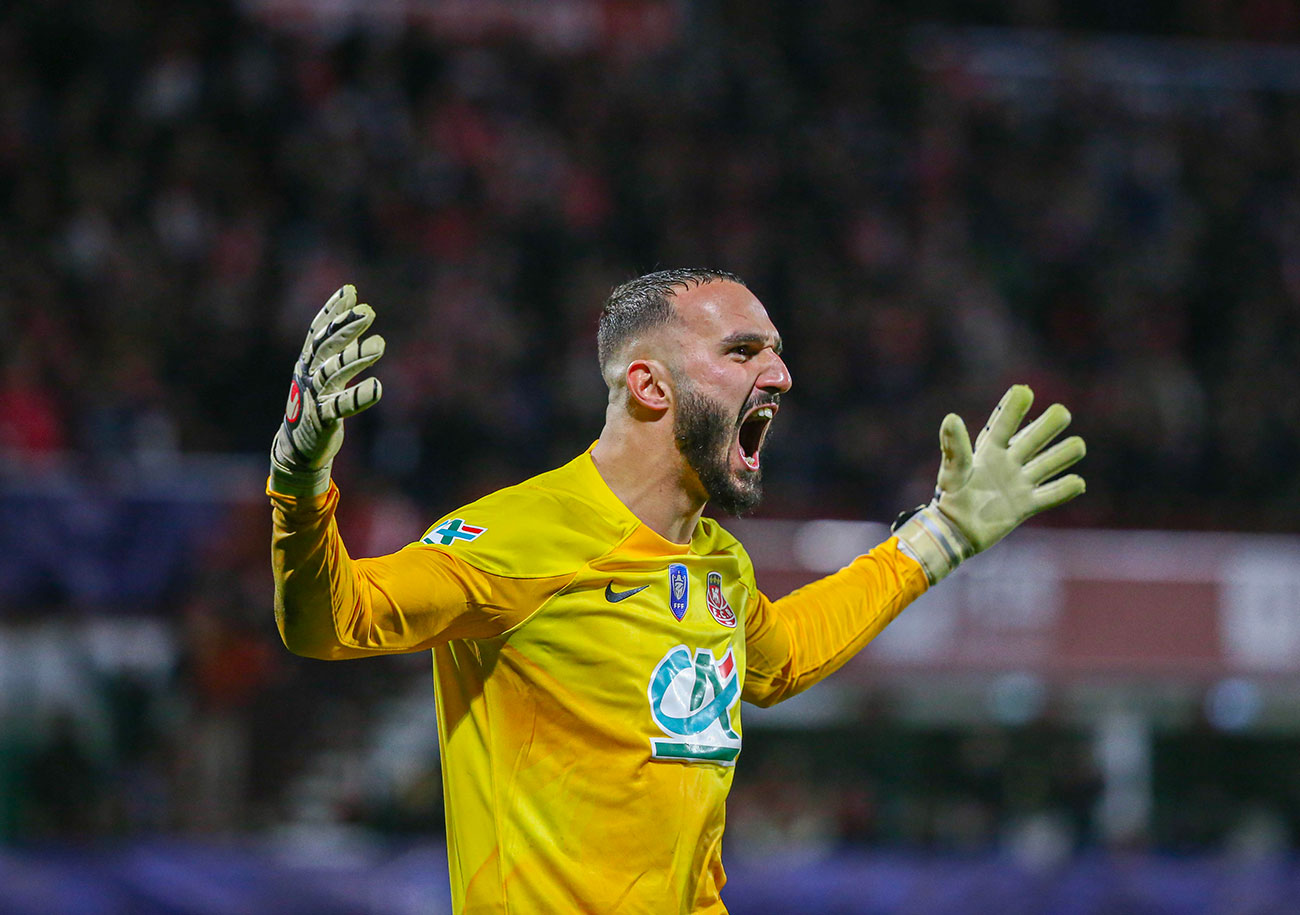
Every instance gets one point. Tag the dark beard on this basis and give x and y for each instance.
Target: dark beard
(705, 435)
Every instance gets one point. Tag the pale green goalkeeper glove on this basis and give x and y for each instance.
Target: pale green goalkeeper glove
(319, 399)
(983, 495)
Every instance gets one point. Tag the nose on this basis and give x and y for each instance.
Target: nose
(775, 377)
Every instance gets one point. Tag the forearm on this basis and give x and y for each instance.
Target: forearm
(316, 593)
(811, 633)
(331, 606)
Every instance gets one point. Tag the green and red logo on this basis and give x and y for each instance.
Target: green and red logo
(453, 530)
(692, 694)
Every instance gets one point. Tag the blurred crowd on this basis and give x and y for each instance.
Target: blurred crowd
(182, 186)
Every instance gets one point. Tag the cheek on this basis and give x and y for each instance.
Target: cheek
(719, 378)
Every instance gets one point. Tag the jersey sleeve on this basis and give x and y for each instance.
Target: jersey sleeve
(331, 606)
(794, 642)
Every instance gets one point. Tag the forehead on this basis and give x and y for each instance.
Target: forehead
(720, 309)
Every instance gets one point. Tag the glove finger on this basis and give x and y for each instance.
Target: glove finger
(338, 370)
(1058, 492)
(1035, 436)
(351, 401)
(339, 333)
(954, 443)
(1006, 416)
(339, 303)
(1055, 459)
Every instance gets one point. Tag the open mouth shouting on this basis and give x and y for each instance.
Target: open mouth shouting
(752, 432)
(711, 438)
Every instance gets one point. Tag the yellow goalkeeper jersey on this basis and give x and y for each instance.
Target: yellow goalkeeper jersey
(588, 676)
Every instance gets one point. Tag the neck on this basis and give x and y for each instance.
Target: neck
(643, 467)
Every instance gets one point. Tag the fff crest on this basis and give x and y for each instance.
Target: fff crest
(679, 590)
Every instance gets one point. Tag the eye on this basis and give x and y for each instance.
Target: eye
(744, 350)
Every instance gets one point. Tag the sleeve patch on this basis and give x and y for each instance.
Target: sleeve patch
(451, 531)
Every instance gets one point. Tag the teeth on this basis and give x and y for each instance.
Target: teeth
(764, 412)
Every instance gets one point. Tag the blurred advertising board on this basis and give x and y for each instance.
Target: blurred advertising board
(105, 536)
(1055, 603)
(1061, 603)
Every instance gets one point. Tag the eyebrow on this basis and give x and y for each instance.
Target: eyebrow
(752, 337)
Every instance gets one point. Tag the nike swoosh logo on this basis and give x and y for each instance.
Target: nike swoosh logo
(615, 596)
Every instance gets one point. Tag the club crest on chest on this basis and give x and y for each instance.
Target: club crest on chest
(717, 602)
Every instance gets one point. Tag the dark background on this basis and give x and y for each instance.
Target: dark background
(933, 200)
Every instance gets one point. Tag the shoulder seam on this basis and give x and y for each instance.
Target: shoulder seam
(462, 559)
(550, 493)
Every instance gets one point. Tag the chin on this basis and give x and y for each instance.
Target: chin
(741, 493)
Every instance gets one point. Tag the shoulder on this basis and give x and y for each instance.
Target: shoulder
(549, 525)
(712, 537)
(716, 541)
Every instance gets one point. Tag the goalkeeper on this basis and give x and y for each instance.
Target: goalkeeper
(592, 634)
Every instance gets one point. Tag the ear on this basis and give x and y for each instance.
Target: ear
(647, 383)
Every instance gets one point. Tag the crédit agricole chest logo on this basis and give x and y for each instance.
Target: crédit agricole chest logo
(691, 698)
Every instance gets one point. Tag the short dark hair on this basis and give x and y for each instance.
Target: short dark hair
(643, 303)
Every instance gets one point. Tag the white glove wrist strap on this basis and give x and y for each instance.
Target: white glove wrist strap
(299, 482)
(931, 538)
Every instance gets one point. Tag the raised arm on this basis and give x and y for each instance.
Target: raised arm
(328, 605)
(804, 637)
(982, 495)
(331, 606)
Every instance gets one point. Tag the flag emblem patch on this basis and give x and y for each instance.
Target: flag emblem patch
(452, 531)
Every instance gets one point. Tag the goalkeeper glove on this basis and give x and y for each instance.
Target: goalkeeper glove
(319, 399)
(984, 495)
